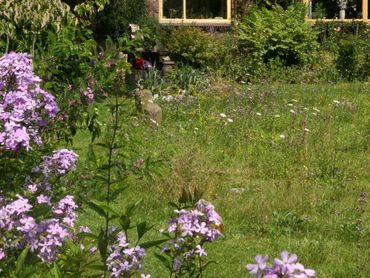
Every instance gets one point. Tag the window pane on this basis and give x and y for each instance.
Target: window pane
(199, 9)
(172, 8)
(330, 9)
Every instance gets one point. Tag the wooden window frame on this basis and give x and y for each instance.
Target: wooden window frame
(193, 21)
(364, 18)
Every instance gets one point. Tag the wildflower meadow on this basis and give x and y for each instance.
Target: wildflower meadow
(243, 156)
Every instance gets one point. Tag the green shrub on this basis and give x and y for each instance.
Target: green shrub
(332, 32)
(192, 46)
(353, 59)
(23, 23)
(114, 20)
(348, 43)
(278, 33)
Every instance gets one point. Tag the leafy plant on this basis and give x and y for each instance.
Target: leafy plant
(152, 81)
(191, 45)
(278, 33)
(114, 20)
(353, 59)
(188, 79)
(22, 23)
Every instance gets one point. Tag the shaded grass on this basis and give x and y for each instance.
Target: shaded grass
(284, 165)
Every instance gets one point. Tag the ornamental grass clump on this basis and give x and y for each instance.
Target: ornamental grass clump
(25, 108)
(286, 267)
(188, 231)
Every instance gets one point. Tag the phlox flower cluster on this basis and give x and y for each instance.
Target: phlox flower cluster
(44, 237)
(124, 261)
(59, 163)
(202, 221)
(192, 228)
(284, 267)
(88, 95)
(25, 108)
(45, 234)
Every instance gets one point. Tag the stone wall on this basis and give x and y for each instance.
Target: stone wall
(152, 8)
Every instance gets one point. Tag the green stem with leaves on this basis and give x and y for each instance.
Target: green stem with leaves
(111, 147)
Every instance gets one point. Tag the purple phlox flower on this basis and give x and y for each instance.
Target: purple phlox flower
(89, 95)
(42, 199)
(286, 264)
(25, 109)
(208, 209)
(19, 206)
(59, 163)
(202, 221)
(65, 209)
(31, 186)
(199, 250)
(84, 229)
(177, 263)
(258, 268)
(2, 254)
(46, 239)
(122, 260)
(305, 273)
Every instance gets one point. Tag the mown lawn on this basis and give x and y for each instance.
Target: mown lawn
(284, 165)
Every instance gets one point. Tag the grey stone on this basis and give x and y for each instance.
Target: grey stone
(145, 104)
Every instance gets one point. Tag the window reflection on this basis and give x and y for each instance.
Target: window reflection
(172, 9)
(330, 9)
(206, 9)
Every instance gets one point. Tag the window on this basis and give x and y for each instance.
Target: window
(195, 12)
(330, 10)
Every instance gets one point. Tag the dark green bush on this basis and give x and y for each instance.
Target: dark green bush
(114, 20)
(353, 61)
(348, 42)
(192, 46)
(278, 34)
(332, 32)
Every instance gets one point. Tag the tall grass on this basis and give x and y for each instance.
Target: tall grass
(284, 165)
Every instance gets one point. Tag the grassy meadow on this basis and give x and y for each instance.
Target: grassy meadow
(284, 166)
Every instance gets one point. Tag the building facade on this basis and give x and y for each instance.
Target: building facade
(191, 12)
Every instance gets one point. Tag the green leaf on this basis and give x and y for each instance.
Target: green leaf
(55, 272)
(142, 229)
(131, 208)
(91, 157)
(97, 209)
(125, 222)
(102, 244)
(115, 194)
(87, 235)
(75, 249)
(166, 262)
(20, 260)
(149, 244)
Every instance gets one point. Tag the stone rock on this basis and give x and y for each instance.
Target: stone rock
(145, 104)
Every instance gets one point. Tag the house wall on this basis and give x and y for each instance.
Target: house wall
(152, 7)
